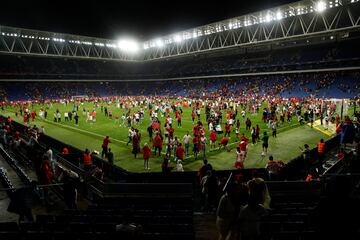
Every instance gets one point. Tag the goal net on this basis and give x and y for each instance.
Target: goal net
(79, 97)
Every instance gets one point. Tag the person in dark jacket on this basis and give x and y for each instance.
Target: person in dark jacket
(22, 200)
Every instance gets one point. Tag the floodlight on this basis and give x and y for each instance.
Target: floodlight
(279, 16)
(230, 25)
(159, 42)
(128, 45)
(177, 38)
(268, 18)
(320, 6)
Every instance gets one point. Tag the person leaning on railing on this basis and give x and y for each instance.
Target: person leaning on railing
(87, 160)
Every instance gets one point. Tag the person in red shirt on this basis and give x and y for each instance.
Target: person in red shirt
(257, 133)
(25, 119)
(193, 114)
(157, 143)
(171, 131)
(33, 115)
(213, 139)
(243, 147)
(146, 151)
(65, 151)
(179, 119)
(243, 138)
(104, 146)
(136, 143)
(227, 130)
(46, 176)
(321, 150)
(180, 152)
(87, 160)
(223, 143)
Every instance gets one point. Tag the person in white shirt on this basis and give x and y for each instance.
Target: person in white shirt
(211, 126)
(66, 116)
(179, 166)
(186, 140)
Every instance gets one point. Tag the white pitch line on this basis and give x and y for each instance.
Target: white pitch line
(81, 130)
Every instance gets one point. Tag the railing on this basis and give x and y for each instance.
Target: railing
(19, 171)
(297, 169)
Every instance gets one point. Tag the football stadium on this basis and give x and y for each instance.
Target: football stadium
(243, 128)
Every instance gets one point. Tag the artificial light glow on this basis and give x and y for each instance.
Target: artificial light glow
(128, 45)
(159, 43)
(320, 6)
(177, 38)
(279, 15)
(267, 18)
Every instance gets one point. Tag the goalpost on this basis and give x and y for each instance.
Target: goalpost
(78, 97)
(342, 106)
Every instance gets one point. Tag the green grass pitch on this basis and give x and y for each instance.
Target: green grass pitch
(90, 135)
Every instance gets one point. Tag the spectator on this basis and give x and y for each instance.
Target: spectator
(204, 169)
(313, 175)
(321, 151)
(265, 144)
(46, 177)
(128, 229)
(22, 200)
(273, 168)
(223, 143)
(157, 143)
(239, 163)
(250, 214)
(65, 151)
(179, 166)
(104, 146)
(227, 212)
(70, 180)
(347, 132)
(98, 172)
(208, 186)
(166, 168)
(87, 160)
(306, 155)
(146, 151)
(110, 156)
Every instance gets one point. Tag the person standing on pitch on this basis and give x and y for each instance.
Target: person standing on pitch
(104, 146)
(265, 144)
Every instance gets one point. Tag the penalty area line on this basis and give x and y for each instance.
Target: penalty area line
(81, 130)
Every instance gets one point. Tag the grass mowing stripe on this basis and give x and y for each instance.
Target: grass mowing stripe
(80, 130)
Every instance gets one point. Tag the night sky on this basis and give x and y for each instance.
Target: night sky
(142, 20)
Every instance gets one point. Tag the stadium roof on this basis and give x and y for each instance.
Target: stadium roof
(264, 16)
